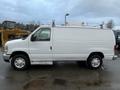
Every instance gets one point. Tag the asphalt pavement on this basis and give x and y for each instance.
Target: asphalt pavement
(61, 76)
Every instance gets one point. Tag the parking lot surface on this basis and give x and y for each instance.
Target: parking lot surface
(61, 76)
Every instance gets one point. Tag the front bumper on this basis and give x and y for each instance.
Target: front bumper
(6, 57)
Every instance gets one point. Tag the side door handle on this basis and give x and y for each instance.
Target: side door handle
(50, 47)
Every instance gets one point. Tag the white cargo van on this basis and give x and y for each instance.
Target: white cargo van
(48, 44)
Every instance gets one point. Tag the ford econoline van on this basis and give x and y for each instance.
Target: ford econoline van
(48, 44)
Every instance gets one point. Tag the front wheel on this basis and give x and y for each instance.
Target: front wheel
(94, 62)
(20, 62)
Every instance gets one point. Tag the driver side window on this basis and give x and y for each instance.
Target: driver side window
(43, 34)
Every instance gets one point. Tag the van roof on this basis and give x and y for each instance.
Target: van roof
(82, 27)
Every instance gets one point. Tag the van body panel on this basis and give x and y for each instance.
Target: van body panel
(66, 43)
(77, 44)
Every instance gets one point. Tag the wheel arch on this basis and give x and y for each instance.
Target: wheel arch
(19, 52)
(96, 53)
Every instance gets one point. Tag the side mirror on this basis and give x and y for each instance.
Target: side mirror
(33, 38)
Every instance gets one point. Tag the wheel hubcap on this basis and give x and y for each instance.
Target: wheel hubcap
(95, 62)
(19, 62)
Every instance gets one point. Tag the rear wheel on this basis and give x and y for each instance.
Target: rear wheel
(94, 62)
(20, 62)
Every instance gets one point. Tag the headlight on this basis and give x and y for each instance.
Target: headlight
(5, 49)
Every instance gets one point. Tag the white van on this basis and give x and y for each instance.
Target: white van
(48, 44)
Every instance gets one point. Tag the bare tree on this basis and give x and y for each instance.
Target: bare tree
(32, 22)
(110, 24)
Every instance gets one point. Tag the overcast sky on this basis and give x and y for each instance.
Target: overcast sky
(91, 11)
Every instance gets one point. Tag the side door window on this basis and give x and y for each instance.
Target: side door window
(43, 34)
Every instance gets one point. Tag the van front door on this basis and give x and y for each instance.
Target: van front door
(39, 45)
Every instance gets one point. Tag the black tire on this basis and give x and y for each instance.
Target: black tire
(91, 63)
(24, 58)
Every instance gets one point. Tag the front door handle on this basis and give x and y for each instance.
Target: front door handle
(50, 47)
